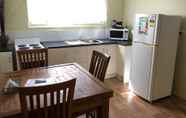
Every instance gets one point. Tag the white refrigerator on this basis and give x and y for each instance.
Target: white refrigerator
(154, 50)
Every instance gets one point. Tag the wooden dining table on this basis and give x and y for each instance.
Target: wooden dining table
(90, 93)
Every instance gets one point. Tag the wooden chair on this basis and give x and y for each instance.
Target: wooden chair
(51, 101)
(99, 64)
(33, 58)
(98, 67)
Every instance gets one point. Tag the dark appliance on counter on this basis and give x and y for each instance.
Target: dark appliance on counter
(117, 24)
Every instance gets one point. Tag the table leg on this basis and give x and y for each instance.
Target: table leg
(103, 111)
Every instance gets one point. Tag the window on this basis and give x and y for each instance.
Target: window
(66, 13)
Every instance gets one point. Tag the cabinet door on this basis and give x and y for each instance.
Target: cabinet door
(123, 63)
(120, 61)
(111, 50)
(6, 62)
(81, 56)
(55, 56)
(69, 55)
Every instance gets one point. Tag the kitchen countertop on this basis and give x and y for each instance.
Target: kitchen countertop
(63, 44)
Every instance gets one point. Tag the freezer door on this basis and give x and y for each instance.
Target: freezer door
(141, 69)
(145, 29)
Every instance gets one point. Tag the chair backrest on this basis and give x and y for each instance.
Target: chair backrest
(51, 101)
(99, 64)
(32, 58)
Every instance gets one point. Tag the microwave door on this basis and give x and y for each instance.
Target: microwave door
(116, 34)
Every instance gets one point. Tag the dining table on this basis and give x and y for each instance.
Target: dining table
(90, 93)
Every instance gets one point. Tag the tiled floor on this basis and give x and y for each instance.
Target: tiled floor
(125, 104)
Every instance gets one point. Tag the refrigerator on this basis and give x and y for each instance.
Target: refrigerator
(154, 48)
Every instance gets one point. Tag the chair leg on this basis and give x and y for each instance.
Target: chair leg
(91, 114)
(87, 115)
(94, 115)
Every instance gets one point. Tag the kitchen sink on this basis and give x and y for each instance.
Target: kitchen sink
(76, 42)
(93, 41)
(81, 42)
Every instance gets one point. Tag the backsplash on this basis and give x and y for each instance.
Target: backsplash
(98, 33)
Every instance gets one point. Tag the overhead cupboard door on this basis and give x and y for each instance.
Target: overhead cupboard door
(141, 69)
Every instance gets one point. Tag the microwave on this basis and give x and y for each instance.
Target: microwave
(118, 34)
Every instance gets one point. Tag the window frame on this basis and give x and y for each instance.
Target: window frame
(93, 25)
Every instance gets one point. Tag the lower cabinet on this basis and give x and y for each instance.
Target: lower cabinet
(82, 55)
(6, 64)
(112, 51)
(79, 55)
(123, 63)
